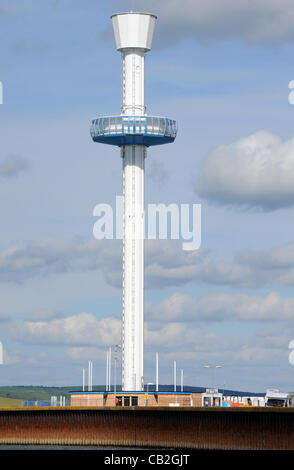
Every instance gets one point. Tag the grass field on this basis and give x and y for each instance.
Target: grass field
(10, 402)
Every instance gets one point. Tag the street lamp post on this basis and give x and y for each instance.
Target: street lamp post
(116, 347)
(212, 367)
(149, 383)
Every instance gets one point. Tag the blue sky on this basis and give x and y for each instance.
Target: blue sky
(222, 70)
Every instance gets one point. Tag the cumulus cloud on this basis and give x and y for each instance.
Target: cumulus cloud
(218, 306)
(277, 262)
(166, 264)
(256, 171)
(50, 256)
(83, 329)
(264, 22)
(83, 332)
(83, 353)
(84, 335)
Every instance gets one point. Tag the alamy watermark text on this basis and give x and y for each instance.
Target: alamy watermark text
(161, 221)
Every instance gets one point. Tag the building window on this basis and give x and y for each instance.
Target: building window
(119, 401)
(134, 401)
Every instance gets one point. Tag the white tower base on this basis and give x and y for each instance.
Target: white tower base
(133, 267)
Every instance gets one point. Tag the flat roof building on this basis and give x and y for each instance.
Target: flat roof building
(125, 398)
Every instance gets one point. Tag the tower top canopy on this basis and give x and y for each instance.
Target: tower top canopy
(133, 30)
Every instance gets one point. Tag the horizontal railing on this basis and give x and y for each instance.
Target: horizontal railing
(214, 428)
(133, 125)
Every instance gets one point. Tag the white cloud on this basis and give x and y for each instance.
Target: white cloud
(261, 22)
(84, 334)
(256, 171)
(190, 343)
(173, 334)
(166, 264)
(216, 306)
(82, 354)
(277, 263)
(81, 330)
(55, 255)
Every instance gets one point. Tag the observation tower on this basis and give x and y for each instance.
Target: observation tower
(133, 131)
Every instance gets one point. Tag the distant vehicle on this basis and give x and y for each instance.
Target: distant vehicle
(274, 397)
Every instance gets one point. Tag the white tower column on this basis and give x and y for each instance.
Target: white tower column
(133, 91)
(133, 131)
(133, 228)
(133, 34)
(133, 267)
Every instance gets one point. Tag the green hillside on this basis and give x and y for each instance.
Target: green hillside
(40, 393)
(34, 392)
(10, 402)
